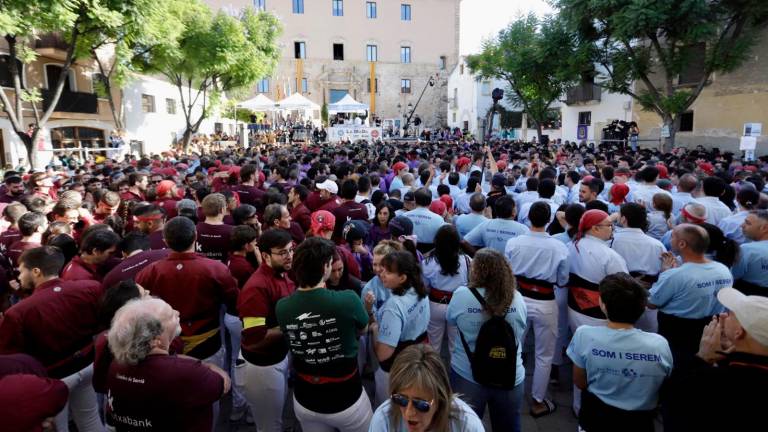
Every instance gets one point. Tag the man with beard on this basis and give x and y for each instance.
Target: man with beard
(149, 389)
(263, 346)
(14, 189)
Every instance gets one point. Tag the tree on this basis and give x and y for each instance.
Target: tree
(215, 54)
(81, 24)
(658, 42)
(324, 114)
(538, 59)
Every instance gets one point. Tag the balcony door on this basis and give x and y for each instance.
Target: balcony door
(52, 72)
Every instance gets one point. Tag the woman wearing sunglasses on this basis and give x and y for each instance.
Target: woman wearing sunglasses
(402, 319)
(421, 397)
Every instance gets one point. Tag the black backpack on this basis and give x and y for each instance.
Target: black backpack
(494, 362)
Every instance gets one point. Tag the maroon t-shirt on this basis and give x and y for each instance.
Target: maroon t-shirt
(131, 266)
(348, 210)
(249, 194)
(156, 240)
(77, 269)
(169, 204)
(196, 287)
(162, 393)
(18, 248)
(240, 268)
(56, 325)
(27, 400)
(7, 238)
(213, 240)
(301, 215)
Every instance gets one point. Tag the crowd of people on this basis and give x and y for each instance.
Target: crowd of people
(136, 294)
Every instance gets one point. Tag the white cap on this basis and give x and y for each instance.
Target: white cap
(751, 311)
(328, 185)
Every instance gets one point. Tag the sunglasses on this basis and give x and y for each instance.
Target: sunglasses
(420, 404)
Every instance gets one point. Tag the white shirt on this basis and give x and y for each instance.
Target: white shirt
(594, 260)
(645, 192)
(522, 217)
(716, 210)
(369, 205)
(641, 252)
(731, 226)
(524, 198)
(679, 200)
(537, 255)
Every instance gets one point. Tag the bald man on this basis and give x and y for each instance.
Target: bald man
(686, 295)
(685, 187)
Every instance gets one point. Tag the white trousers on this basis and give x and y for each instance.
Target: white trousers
(542, 317)
(356, 418)
(576, 320)
(437, 326)
(561, 299)
(234, 329)
(265, 390)
(82, 402)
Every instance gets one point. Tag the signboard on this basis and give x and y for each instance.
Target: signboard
(753, 129)
(353, 133)
(581, 132)
(665, 131)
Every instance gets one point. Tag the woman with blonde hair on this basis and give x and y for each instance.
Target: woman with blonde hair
(490, 294)
(421, 398)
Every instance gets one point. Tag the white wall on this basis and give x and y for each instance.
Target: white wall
(612, 106)
(157, 129)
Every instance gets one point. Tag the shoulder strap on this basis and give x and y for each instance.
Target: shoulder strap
(477, 295)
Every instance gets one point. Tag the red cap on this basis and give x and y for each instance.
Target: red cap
(399, 166)
(619, 192)
(502, 165)
(447, 200)
(437, 207)
(462, 161)
(707, 168)
(663, 172)
(164, 187)
(589, 219)
(322, 220)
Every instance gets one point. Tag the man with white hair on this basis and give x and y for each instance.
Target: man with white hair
(150, 389)
(733, 359)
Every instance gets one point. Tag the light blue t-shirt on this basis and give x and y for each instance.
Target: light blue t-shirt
(495, 233)
(752, 266)
(467, 222)
(397, 183)
(563, 237)
(403, 318)
(690, 291)
(434, 277)
(425, 224)
(625, 368)
(465, 312)
(463, 419)
(380, 293)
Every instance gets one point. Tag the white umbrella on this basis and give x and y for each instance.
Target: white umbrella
(347, 104)
(259, 103)
(297, 102)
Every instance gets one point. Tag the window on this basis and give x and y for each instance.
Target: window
(260, 4)
(372, 52)
(338, 7)
(585, 118)
(405, 55)
(304, 86)
(405, 12)
(370, 10)
(686, 122)
(376, 83)
(298, 6)
(338, 51)
(405, 86)
(263, 86)
(147, 103)
(443, 62)
(6, 79)
(170, 106)
(299, 50)
(485, 88)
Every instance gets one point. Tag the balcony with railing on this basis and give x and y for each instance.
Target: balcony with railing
(584, 92)
(73, 102)
(51, 40)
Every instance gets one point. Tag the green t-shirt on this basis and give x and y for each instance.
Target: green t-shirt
(321, 327)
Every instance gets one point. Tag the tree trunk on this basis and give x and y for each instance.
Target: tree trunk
(29, 146)
(668, 143)
(539, 131)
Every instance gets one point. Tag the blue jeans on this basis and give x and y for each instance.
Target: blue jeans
(504, 405)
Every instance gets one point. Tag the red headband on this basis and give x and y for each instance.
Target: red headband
(691, 218)
(589, 219)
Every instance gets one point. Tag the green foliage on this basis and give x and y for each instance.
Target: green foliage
(539, 60)
(324, 113)
(655, 41)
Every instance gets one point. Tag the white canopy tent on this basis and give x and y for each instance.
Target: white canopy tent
(347, 104)
(259, 103)
(296, 102)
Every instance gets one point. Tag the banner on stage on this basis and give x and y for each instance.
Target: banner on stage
(353, 133)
